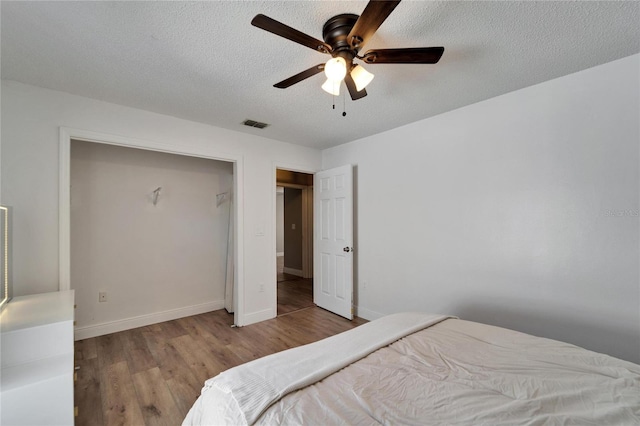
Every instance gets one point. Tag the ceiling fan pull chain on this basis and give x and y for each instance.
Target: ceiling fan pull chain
(333, 95)
(344, 113)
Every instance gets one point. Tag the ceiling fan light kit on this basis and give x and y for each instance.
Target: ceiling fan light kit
(361, 77)
(344, 35)
(332, 87)
(336, 69)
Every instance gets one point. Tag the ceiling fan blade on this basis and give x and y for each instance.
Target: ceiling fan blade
(351, 86)
(372, 17)
(278, 28)
(412, 55)
(300, 76)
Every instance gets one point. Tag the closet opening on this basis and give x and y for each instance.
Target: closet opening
(151, 235)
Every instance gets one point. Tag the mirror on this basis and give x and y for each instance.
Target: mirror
(5, 253)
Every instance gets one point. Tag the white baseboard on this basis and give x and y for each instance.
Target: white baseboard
(143, 320)
(255, 317)
(368, 314)
(291, 271)
(280, 254)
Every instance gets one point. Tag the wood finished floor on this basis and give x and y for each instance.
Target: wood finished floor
(152, 375)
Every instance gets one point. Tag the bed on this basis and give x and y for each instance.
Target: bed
(416, 369)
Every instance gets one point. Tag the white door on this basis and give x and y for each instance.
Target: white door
(333, 242)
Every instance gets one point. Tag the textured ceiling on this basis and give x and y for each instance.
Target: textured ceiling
(203, 61)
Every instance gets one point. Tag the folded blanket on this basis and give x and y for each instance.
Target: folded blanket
(254, 386)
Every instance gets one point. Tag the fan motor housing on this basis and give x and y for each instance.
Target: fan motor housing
(336, 30)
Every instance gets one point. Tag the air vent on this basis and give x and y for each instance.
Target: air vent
(253, 123)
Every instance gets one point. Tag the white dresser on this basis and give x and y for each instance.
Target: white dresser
(37, 360)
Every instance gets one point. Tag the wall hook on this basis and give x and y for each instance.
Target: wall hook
(221, 198)
(156, 194)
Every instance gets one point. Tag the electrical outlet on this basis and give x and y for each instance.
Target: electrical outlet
(102, 296)
(365, 284)
(261, 288)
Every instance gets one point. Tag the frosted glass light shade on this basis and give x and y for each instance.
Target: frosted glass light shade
(361, 77)
(331, 87)
(335, 69)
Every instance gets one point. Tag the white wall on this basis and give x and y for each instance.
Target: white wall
(520, 211)
(31, 118)
(148, 258)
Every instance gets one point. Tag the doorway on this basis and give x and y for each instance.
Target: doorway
(294, 241)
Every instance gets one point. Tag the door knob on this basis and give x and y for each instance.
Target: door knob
(347, 249)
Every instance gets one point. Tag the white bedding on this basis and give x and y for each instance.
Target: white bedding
(252, 387)
(454, 372)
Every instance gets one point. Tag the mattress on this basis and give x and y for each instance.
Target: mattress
(438, 370)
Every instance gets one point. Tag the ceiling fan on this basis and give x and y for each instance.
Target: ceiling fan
(344, 35)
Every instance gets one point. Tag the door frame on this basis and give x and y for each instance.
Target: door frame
(307, 266)
(64, 199)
